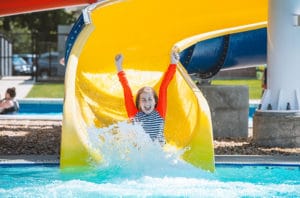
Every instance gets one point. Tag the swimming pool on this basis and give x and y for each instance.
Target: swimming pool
(177, 181)
(147, 172)
(251, 112)
(40, 108)
(135, 166)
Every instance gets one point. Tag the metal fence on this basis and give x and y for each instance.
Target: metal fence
(26, 54)
(5, 56)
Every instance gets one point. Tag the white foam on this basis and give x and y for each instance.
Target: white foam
(158, 187)
(128, 147)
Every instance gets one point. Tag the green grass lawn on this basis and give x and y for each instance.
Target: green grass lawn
(47, 90)
(56, 90)
(254, 85)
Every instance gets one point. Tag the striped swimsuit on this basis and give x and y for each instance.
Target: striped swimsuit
(152, 123)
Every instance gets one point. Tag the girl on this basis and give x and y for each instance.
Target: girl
(148, 109)
(8, 104)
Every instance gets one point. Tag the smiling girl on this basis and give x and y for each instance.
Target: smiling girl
(148, 109)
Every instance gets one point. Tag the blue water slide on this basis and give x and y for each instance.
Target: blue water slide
(76, 29)
(243, 49)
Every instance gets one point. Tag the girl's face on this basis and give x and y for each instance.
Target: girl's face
(147, 102)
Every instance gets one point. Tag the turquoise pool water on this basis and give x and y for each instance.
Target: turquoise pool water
(135, 166)
(182, 181)
(143, 170)
(40, 108)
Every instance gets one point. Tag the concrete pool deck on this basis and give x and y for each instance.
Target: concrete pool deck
(219, 159)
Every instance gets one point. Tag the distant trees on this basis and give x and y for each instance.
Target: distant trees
(28, 29)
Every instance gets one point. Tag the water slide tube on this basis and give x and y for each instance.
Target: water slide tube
(145, 32)
(242, 46)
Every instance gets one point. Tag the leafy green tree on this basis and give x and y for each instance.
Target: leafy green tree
(30, 30)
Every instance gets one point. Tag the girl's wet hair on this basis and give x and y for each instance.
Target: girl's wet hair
(145, 90)
(11, 92)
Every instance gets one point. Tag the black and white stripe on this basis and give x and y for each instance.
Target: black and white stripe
(153, 124)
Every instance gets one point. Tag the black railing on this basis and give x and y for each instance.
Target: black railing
(25, 54)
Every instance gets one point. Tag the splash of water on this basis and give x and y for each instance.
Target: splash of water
(129, 150)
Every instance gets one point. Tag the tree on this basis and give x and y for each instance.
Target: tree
(38, 27)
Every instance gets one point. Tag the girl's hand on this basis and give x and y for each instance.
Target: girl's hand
(119, 62)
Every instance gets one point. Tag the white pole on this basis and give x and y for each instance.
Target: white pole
(283, 62)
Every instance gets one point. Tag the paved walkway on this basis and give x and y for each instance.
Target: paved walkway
(23, 85)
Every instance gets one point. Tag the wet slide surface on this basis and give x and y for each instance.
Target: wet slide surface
(145, 32)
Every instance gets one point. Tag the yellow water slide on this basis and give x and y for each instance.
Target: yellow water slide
(145, 31)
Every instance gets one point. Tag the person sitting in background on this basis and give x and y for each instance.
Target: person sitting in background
(9, 104)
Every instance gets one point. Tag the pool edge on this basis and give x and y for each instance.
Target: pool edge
(291, 160)
(288, 160)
